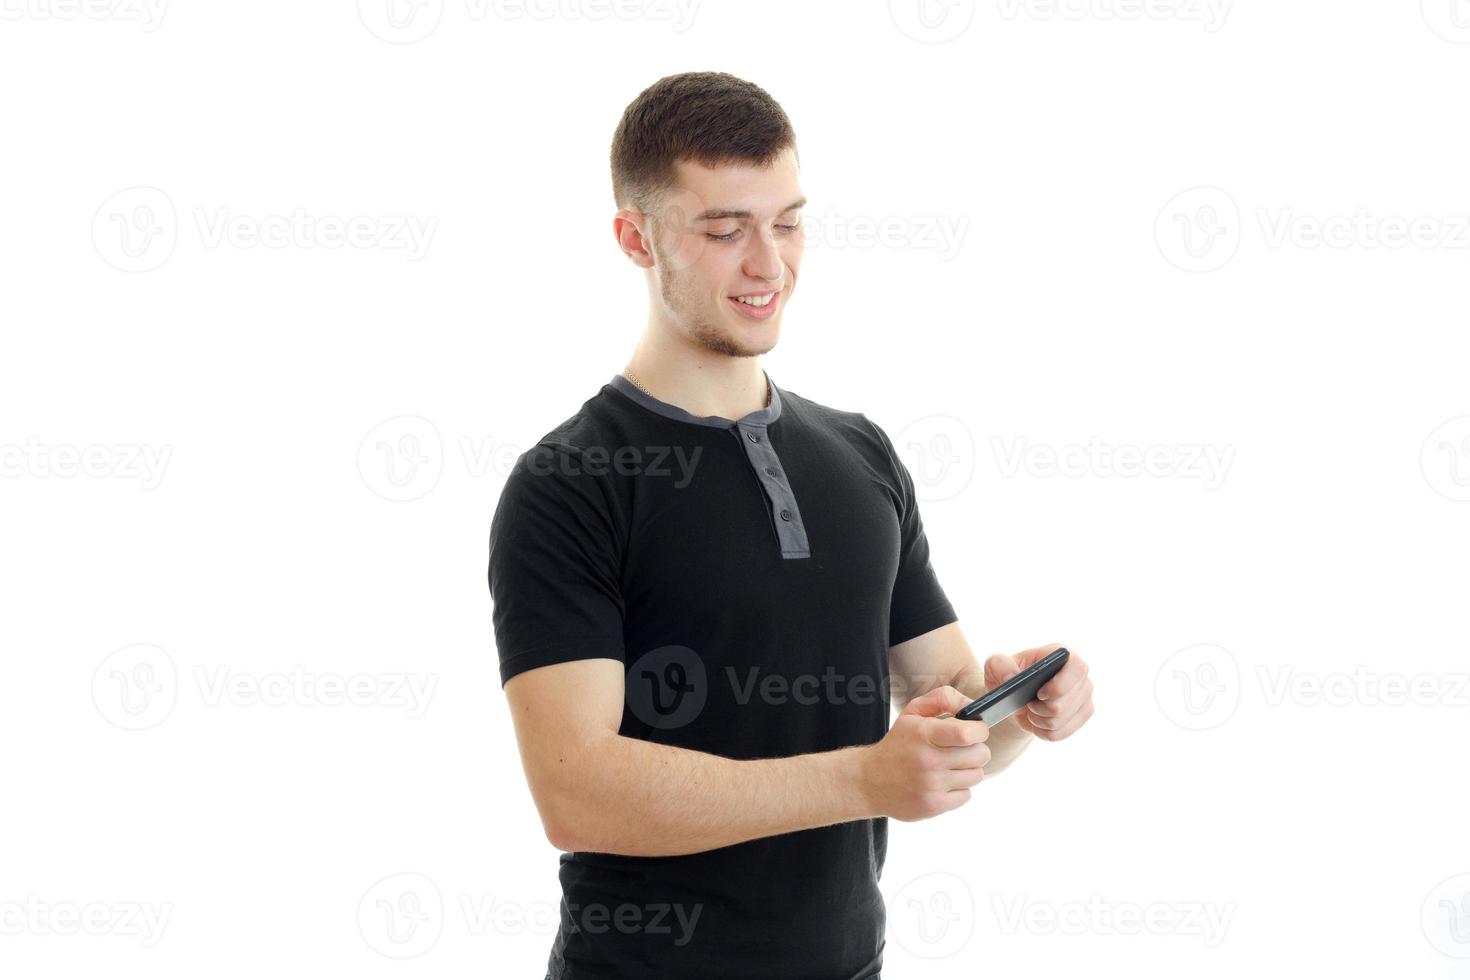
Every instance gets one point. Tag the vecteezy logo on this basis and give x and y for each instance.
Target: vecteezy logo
(1450, 19)
(1199, 229)
(401, 459)
(940, 455)
(933, 916)
(400, 21)
(666, 687)
(135, 230)
(932, 21)
(1198, 687)
(136, 687)
(401, 916)
(1445, 917)
(1445, 458)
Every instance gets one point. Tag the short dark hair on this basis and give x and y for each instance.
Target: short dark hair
(709, 117)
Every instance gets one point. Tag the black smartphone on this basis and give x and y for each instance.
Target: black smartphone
(998, 704)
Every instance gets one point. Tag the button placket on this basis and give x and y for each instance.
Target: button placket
(790, 531)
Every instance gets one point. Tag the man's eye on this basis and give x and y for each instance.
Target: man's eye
(730, 236)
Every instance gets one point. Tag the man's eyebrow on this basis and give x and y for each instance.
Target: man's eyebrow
(715, 214)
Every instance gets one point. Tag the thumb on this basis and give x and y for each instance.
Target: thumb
(1000, 668)
(936, 702)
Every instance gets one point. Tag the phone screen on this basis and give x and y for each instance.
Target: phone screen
(1006, 699)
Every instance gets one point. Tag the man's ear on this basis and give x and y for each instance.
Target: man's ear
(629, 227)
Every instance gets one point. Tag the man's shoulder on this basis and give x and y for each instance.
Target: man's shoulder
(853, 426)
(596, 426)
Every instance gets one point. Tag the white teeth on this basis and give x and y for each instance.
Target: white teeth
(757, 300)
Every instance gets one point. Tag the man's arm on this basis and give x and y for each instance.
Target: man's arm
(600, 791)
(943, 657)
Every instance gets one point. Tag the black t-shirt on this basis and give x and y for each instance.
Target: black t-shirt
(751, 576)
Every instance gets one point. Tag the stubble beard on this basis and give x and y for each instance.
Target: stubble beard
(675, 287)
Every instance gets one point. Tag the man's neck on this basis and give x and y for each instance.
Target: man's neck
(729, 388)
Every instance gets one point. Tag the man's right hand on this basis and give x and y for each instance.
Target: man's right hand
(926, 765)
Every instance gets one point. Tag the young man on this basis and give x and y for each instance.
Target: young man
(707, 589)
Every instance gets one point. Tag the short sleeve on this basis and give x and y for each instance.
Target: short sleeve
(919, 603)
(554, 565)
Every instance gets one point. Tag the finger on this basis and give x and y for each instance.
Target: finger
(936, 702)
(1068, 727)
(1053, 715)
(955, 799)
(1026, 658)
(967, 757)
(1068, 704)
(964, 778)
(1000, 668)
(1041, 723)
(952, 732)
(1071, 674)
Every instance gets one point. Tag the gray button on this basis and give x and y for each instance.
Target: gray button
(771, 470)
(752, 437)
(785, 514)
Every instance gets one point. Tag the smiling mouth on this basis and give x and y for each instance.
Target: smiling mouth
(757, 300)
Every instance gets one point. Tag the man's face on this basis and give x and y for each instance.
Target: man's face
(722, 233)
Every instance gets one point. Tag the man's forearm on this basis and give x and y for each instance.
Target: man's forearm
(1008, 739)
(631, 796)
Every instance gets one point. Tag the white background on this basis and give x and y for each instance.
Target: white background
(1131, 195)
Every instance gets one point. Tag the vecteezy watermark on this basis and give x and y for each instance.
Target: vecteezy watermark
(1445, 459)
(939, 453)
(404, 915)
(1198, 230)
(1210, 14)
(400, 21)
(933, 916)
(137, 687)
(1204, 462)
(1445, 917)
(1450, 19)
(147, 14)
(1198, 688)
(1361, 686)
(123, 461)
(1207, 921)
(942, 234)
(137, 230)
(407, 21)
(667, 687)
(672, 919)
(403, 458)
(831, 687)
(932, 21)
(34, 916)
(222, 685)
(676, 462)
(673, 922)
(408, 233)
(401, 916)
(1362, 229)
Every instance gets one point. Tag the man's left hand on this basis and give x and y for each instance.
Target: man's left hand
(1064, 703)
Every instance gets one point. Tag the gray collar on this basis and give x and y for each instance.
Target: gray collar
(760, 417)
